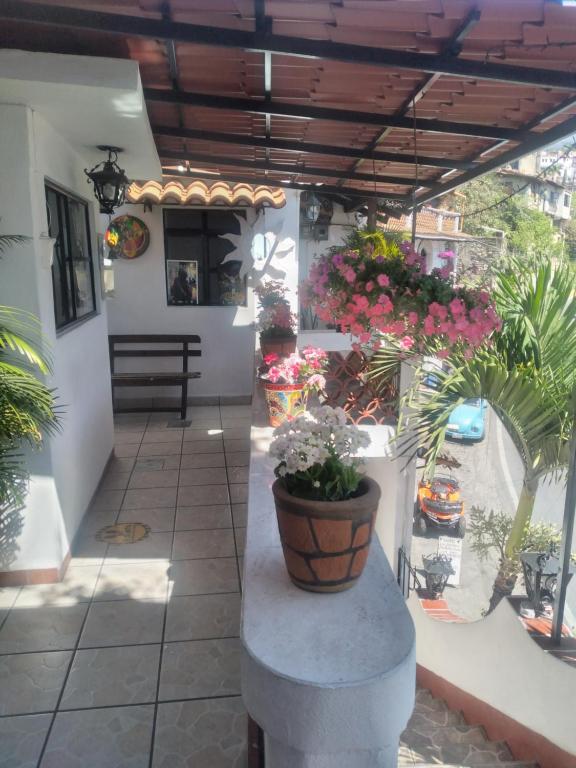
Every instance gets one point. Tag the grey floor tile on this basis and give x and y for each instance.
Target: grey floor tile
(237, 458)
(158, 463)
(77, 586)
(31, 682)
(155, 546)
(140, 498)
(238, 474)
(240, 515)
(126, 622)
(203, 617)
(203, 476)
(173, 436)
(195, 518)
(106, 501)
(130, 420)
(207, 734)
(158, 520)
(240, 536)
(237, 433)
(126, 451)
(8, 596)
(117, 464)
(203, 577)
(117, 737)
(190, 496)
(189, 545)
(86, 550)
(94, 520)
(204, 446)
(243, 411)
(50, 628)
(103, 677)
(200, 668)
(159, 449)
(115, 481)
(197, 460)
(194, 434)
(164, 478)
(236, 445)
(128, 436)
(21, 740)
(134, 581)
(239, 493)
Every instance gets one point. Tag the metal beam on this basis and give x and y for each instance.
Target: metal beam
(290, 170)
(320, 189)
(534, 142)
(134, 26)
(286, 109)
(287, 145)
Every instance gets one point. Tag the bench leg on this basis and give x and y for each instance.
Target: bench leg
(184, 403)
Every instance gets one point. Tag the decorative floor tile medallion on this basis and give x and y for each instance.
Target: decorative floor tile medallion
(123, 533)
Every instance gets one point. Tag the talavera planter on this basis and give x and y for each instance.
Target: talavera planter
(326, 543)
(283, 346)
(284, 402)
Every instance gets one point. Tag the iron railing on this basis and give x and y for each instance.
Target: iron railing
(407, 575)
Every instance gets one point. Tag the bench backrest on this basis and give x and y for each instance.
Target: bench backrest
(182, 351)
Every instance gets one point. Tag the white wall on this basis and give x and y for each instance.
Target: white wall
(64, 475)
(228, 339)
(498, 662)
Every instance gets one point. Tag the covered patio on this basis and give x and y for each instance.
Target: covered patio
(144, 537)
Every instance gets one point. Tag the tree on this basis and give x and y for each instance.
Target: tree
(27, 407)
(491, 531)
(527, 373)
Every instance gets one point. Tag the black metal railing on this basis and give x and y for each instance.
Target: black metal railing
(407, 575)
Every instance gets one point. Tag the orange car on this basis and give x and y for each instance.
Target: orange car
(439, 503)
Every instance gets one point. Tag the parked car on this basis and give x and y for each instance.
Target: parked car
(439, 503)
(467, 420)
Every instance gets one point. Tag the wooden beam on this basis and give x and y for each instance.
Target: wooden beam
(287, 109)
(137, 26)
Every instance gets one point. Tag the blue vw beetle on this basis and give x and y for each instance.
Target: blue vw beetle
(467, 420)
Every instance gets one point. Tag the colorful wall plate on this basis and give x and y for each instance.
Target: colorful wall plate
(127, 237)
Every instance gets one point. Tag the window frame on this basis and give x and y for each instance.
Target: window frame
(204, 270)
(63, 196)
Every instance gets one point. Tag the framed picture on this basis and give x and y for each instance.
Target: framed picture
(182, 282)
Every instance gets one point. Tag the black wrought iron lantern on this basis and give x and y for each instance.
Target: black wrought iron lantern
(437, 570)
(311, 207)
(109, 180)
(541, 579)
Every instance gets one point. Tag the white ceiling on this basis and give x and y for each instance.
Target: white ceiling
(89, 101)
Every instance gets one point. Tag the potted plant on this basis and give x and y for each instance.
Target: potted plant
(288, 380)
(276, 322)
(381, 291)
(326, 508)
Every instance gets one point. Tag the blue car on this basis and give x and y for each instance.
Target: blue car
(467, 421)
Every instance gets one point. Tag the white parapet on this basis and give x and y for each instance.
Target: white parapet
(330, 679)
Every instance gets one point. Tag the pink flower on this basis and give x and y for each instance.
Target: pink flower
(271, 358)
(349, 275)
(413, 318)
(317, 381)
(456, 307)
(370, 286)
(407, 342)
(383, 281)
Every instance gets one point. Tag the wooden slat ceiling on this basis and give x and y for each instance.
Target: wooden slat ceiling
(340, 94)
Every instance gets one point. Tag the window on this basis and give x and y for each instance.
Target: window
(196, 248)
(72, 270)
(566, 200)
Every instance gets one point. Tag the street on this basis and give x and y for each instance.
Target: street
(490, 476)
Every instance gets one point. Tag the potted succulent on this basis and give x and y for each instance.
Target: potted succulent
(326, 508)
(276, 322)
(288, 380)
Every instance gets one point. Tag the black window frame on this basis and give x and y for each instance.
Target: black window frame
(204, 232)
(69, 306)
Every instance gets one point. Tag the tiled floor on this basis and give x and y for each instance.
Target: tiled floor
(132, 661)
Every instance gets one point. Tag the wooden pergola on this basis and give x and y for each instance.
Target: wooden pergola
(395, 100)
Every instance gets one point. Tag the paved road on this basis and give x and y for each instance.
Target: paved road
(490, 477)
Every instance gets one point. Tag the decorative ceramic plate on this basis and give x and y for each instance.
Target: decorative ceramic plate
(127, 237)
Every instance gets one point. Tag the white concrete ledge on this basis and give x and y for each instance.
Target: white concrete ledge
(329, 678)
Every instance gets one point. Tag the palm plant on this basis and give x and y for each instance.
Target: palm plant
(527, 374)
(27, 407)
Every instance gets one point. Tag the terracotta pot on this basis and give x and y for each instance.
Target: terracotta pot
(326, 543)
(283, 346)
(284, 401)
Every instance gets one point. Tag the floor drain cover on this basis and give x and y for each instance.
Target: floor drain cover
(123, 533)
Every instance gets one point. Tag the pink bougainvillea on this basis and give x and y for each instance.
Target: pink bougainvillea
(372, 297)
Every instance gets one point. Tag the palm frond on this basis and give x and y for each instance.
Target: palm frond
(21, 333)
(7, 241)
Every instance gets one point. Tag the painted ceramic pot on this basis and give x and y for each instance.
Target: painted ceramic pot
(284, 401)
(326, 543)
(283, 346)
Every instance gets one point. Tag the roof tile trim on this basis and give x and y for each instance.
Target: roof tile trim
(199, 193)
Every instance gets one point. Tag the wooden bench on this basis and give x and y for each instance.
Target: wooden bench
(179, 347)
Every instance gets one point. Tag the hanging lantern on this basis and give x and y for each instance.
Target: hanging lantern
(109, 180)
(311, 206)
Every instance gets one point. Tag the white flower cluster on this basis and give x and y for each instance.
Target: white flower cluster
(315, 436)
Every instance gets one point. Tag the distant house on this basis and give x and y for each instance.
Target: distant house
(546, 192)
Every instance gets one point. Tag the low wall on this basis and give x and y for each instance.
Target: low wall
(500, 678)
